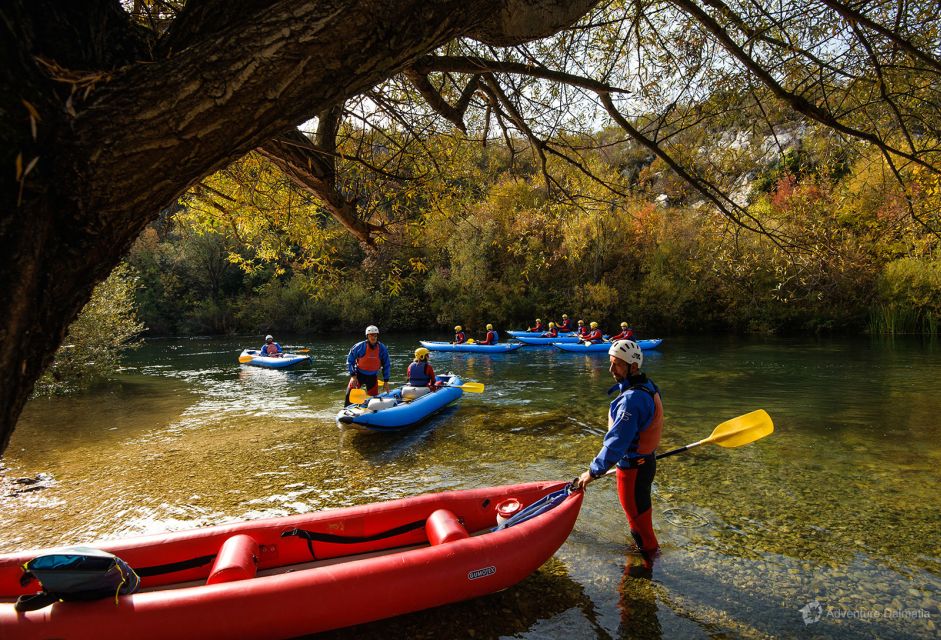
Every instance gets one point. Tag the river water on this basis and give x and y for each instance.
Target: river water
(840, 506)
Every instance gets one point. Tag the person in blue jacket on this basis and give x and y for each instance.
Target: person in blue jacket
(635, 422)
(271, 348)
(459, 336)
(364, 363)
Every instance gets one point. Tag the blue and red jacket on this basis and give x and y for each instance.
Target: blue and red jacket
(551, 333)
(635, 422)
(460, 337)
(595, 336)
(367, 360)
(539, 327)
(268, 349)
(420, 374)
(566, 326)
(490, 339)
(627, 334)
(582, 331)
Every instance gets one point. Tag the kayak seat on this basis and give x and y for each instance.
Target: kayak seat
(411, 393)
(237, 560)
(443, 526)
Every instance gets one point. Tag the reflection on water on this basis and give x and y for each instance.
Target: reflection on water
(838, 506)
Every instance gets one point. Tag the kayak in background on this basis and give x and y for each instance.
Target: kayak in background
(255, 359)
(298, 575)
(471, 347)
(395, 410)
(580, 347)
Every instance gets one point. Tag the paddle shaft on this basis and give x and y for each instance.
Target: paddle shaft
(680, 449)
(672, 452)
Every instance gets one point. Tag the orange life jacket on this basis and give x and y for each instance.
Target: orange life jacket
(369, 361)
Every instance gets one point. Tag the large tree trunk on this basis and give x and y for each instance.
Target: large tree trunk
(119, 136)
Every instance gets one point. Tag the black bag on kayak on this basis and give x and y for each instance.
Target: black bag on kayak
(76, 573)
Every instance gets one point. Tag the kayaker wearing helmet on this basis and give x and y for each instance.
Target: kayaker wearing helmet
(491, 336)
(566, 325)
(271, 349)
(594, 336)
(582, 329)
(539, 327)
(459, 336)
(420, 373)
(365, 360)
(626, 333)
(552, 332)
(635, 421)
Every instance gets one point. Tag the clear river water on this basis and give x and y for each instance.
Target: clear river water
(840, 506)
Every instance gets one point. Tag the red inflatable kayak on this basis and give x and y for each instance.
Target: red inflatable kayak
(287, 577)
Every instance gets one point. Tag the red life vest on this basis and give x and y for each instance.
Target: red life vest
(369, 361)
(649, 438)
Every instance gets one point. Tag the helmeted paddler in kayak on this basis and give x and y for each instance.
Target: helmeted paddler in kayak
(419, 375)
(566, 325)
(626, 333)
(553, 332)
(365, 361)
(582, 330)
(271, 349)
(491, 338)
(595, 336)
(459, 336)
(539, 327)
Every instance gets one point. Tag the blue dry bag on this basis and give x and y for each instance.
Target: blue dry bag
(76, 573)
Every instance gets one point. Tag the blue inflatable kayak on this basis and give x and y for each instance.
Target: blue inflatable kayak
(604, 346)
(502, 347)
(390, 412)
(257, 360)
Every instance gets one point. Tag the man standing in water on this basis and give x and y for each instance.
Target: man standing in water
(635, 421)
(364, 362)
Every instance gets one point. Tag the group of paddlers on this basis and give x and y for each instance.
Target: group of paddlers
(460, 337)
(589, 334)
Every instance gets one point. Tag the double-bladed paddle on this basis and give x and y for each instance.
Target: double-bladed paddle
(731, 433)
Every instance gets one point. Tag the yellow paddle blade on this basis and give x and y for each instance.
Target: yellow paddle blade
(473, 387)
(244, 359)
(303, 350)
(358, 396)
(742, 430)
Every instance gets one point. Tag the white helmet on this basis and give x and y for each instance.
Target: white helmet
(628, 351)
(269, 337)
(372, 329)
